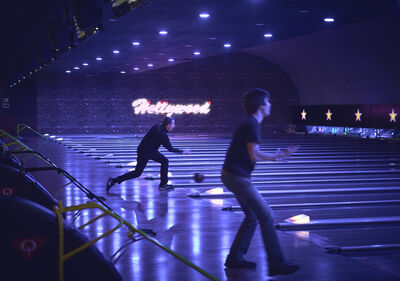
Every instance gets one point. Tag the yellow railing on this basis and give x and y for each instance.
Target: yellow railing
(132, 230)
(23, 149)
(106, 209)
(20, 145)
(21, 127)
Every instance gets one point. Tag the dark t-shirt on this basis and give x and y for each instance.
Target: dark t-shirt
(155, 137)
(237, 160)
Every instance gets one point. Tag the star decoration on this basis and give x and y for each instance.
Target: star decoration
(303, 115)
(392, 116)
(358, 115)
(329, 115)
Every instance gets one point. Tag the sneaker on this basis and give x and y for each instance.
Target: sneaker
(110, 183)
(284, 269)
(240, 264)
(166, 187)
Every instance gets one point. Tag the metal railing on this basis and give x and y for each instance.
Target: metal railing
(22, 148)
(132, 230)
(21, 127)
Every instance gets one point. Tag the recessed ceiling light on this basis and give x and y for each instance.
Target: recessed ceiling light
(123, 72)
(85, 64)
(136, 68)
(135, 43)
(171, 60)
(329, 19)
(267, 35)
(99, 58)
(76, 67)
(188, 45)
(212, 38)
(163, 32)
(150, 65)
(68, 71)
(204, 15)
(227, 45)
(116, 52)
(197, 53)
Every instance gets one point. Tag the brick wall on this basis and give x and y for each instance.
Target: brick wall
(102, 104)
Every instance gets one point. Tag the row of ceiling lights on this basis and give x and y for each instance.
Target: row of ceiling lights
(163, 33)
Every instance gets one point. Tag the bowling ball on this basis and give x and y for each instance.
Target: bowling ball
(198, 177)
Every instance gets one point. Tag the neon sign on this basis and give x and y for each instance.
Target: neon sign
(143, 106)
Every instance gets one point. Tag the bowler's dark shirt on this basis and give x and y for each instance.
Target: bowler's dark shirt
(237, 160)
(155, 137)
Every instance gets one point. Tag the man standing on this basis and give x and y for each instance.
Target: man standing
(148, 150)
(244, 151)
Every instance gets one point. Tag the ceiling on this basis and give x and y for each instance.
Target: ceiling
(240, 23)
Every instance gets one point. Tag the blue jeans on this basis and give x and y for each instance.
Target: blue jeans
(255, 209)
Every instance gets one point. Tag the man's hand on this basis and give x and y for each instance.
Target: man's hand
(286, 152)
(290, 150)
(186, 151)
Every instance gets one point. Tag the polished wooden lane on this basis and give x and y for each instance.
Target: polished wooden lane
(200, 231)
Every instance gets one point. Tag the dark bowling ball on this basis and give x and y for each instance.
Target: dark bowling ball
(198, 177)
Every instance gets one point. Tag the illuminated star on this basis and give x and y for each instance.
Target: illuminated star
(303, 115)
(392, 116)
(329, 115)
(358, 115)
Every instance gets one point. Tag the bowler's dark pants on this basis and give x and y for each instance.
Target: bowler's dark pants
(142, 160)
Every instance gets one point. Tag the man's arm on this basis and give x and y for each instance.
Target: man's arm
(167, 144)
(257, 155)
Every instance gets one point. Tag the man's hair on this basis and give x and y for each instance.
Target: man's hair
(167, 121)
(253, 99)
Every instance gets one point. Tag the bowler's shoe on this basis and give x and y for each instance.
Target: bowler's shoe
(284, 269)
(166, 187)
(231, 263)
(110, 183)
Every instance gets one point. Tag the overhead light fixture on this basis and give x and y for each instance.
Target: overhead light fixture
(171, 60)
(329, 19)
(68, 71)
(227, 45)
(136, 68)
(150, 65)
(99, 58)
(212, 38)
(163, 32)
(76, 67)
(123, 72)
(259, 24)
(116, 52)
(135, 43)
(267, 35)
(85, 64)
(204, 15)
(196, 53)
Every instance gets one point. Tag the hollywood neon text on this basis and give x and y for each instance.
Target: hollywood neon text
(143, 106)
